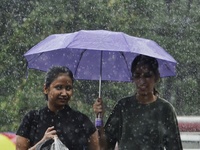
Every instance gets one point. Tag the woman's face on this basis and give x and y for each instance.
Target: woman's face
(59, 92)
(144, 80)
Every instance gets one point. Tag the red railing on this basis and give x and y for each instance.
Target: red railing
(189, 123)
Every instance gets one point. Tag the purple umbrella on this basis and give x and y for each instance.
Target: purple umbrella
(97, 55)
(92, 54)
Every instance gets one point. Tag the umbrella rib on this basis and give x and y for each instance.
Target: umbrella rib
(125, 61)
(79, 61)
(35, 57)
(72, 39)
(169, 68)
(126, 41)
(30, 61)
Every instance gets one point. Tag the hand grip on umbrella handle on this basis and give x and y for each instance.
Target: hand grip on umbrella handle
(98, 121)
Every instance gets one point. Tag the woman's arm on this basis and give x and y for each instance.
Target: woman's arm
(23, 143)
(102, 139)
(172, 139)
(94, 141)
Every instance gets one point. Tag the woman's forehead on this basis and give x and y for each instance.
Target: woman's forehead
(144, 68)
(63, 77)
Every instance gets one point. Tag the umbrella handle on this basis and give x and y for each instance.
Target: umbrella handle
(98, 121)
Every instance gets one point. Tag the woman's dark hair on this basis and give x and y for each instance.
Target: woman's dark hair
(150, 62)
(54, 72)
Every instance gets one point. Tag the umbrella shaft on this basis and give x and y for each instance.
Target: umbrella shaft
(100, 86)
(100, 75)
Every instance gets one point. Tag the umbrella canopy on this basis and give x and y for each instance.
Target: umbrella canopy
(6, 143)
(97, 54)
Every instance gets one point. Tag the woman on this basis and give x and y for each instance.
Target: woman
(143, 121)
(73, 128)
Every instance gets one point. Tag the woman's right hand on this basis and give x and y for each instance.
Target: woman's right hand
(49, 133)
(98, 107)
(23, 143)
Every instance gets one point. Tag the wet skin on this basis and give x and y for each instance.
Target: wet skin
(145, 81)
(59, 92)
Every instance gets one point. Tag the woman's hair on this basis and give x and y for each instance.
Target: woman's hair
(54, 72)
(148, 61)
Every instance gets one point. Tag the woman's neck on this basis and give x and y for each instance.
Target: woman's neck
(55, 109)
(146, 99)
